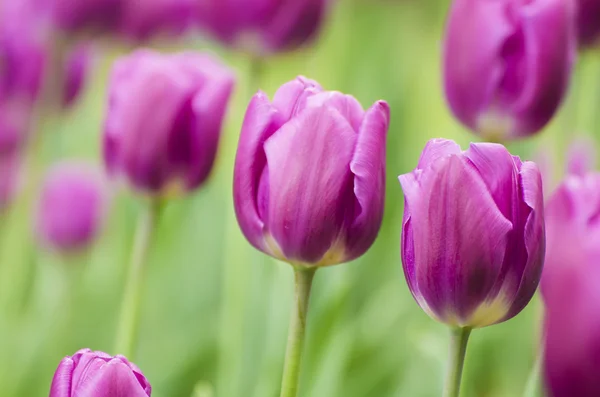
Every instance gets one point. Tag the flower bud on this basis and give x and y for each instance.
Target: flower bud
(164, 119)
(76, 69)
(507, 63)
(96, 374)
(309, 175)
(473, 233)
(263, 26)
(571, 288)
(71, 209)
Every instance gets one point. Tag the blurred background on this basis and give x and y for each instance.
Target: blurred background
(215, 312)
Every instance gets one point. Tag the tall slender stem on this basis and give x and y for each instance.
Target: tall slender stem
(533, 387)
(255, 75)
(458, 347)
(128, 327)
(296, 333)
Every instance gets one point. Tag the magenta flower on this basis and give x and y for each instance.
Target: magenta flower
(263, 26)
(571, 288)
(309, 174)
(473, 233)
(96, 374)
(71, 209)
(164, 119)
(76, 69)
(507, 63)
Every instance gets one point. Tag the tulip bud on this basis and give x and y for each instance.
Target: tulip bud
(75, 16)
(96, 374)
(571, 288)
(588, 26)
(507, 63)
(263, 26)
(71, 208)
(164, 119)
(309, 175)
(473, 233)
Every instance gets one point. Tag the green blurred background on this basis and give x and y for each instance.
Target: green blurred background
(215, 314)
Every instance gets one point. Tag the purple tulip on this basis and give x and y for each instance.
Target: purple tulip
(164, 119)
(588, 22)
(473, 233)
(507, 63)
(309, 175)
(71, 208)
(90, 15)
(96, 374)
(263, 26)
(141, 20)
(571, 288)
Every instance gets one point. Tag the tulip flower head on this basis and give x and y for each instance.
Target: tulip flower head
(588, 26)
(96, 374)
(309, 174)
(71, 208)
(164, 119)
(473, 238)
(507, 63)
(571, 288)
(263, 26)
(76, 69)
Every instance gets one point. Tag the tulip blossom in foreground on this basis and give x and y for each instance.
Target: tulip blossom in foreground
(263, 26)
(473, 238)
(507, 63)
(71, 208)
(309, 175)
(164, 119)
(96, 374)
(571, 288)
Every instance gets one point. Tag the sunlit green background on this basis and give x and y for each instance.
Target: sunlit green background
(215, 314)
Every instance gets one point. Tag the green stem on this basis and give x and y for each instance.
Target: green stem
(128, 327)
(533, 387)
(458, 347)
(296, 333)
(256, 72)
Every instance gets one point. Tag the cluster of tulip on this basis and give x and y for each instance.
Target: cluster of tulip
(309, 174)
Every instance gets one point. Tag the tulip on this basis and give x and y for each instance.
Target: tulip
(473, 233)
(76, 69)
(309, 174)
(588, 26)
(571, 288)
(71, 208)
(74, 16)
(96, 374)
(164, 119)
(507, 64)
(263, 26)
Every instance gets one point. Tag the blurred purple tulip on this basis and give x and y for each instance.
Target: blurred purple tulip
(263, 26)
(309, 174)
(571, 288)
(507, 63)
(473, 233)
(75, 16)
(164, 119)
(71, 209)
(96, 374)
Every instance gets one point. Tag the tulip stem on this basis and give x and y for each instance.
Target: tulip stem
(533, 387)
(458, 347)
(296, 333)
(128, 327)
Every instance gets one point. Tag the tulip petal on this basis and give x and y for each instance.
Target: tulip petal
(470, 56)
(436, 149)
(534, 235)
(310, 183)
(547, 71)
(347, 105)
(581, 157)
(457, 262)
(291, 97)
(259, 124)
(61, 383)
(368, 167)
(208, 108)
(113, 379)
(295, 23)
